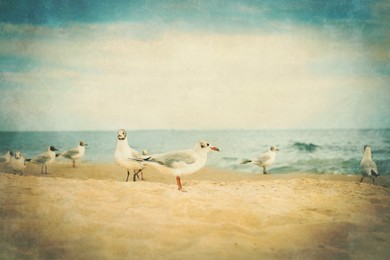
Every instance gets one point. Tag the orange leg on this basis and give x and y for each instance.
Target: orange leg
(179, 183)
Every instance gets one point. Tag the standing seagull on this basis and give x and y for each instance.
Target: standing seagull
(368, 166)
(18, 163)
(182, 162)
(75, 153)
(127, 157)
(265, 159)
(45, 158)
(6, 157)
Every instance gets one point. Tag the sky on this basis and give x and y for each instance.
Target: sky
(201, 64)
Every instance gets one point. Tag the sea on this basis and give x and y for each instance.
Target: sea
(301, 151)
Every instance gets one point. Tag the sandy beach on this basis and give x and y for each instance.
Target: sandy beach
(89, 212)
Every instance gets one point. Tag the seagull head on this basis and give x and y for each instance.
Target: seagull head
(205, 146)
(273, 149)
(367, 151)
(367, 148)
(18, 155)
(83, 144)
(52, 148)
(122, 134)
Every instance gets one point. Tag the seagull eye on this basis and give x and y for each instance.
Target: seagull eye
(208, 144)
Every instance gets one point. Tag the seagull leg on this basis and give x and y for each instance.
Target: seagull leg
(361, 179)
(74, 164)
(180, 188)
(136, 174)
(264, 170)
(128, 173)
(373, 181)
(45, 169)
(42, 169)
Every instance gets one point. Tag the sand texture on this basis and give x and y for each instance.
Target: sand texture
(90, 213)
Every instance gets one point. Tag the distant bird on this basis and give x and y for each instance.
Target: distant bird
(182, 162)
(18, 163)
(264, 160)
(368, 166)
(124, 156)
(45, 158)
(6, 157)
(75, 153)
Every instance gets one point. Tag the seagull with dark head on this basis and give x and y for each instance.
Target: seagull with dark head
(127, 157)
(18, 163)
(368, 167)
(45, 158)
(264, 160)
(5, 158)
(75, 153)
(182, 162)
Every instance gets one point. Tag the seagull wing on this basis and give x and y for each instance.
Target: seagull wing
(369, 167)
(42, 158)
(374, 169)
(263, 158)
(175, 159)
(70, 153)
(135, 154)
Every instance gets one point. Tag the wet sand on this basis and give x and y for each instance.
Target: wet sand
(89, 212)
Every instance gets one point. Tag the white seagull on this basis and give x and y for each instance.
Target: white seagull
(45, 158)
(182, 162)
(18, 163)
(368, 166)
(264, 160)
(75, 153)
(127, 157)
(6, 157)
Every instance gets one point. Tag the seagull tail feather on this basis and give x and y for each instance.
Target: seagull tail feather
(246, 161)
(373, 173)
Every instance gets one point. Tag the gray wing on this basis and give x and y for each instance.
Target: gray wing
(70, 153)
(369, 168)
(43, 158)
(170, 159)
(374, 169)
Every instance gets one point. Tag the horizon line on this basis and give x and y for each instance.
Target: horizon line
(196, 129)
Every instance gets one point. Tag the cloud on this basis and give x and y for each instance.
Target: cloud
(106, 76)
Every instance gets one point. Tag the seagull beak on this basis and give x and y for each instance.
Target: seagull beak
(214, 148)
(277, 149)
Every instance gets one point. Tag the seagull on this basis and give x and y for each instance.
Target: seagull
(265, 159)
(368, 166)
(75, 153)
(18, 163)
(182, 162)
(6, 157)
(127, 157)
(45, 158)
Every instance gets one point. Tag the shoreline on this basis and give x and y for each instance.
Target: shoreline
(112, 171)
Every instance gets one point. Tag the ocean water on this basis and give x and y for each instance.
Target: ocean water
(315, 151)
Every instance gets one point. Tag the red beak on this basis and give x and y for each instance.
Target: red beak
(214, 148)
